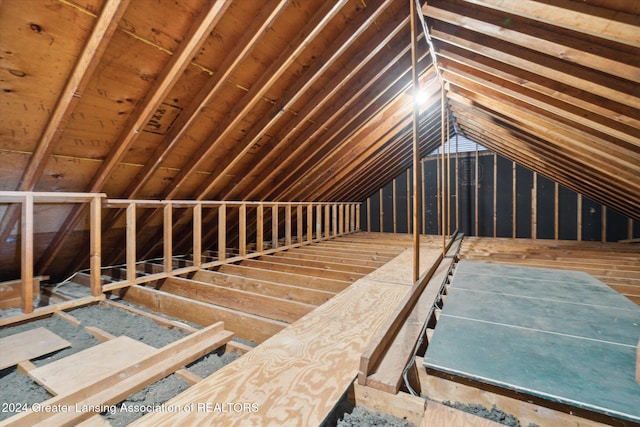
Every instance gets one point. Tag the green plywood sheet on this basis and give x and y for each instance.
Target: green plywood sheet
(572, 340)
(586, 321)
(588, 374)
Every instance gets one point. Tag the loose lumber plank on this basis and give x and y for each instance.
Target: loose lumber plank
(116, 387)
(316, 357)
(244, 325)
(99, 334)
(79, 370)
(69, 318)
(249, 302)
(50, 309)
(167, 323)
(295, 279)
(288, 292)
(25, 367)
(439, 415)
(29, 345)
(387, 376)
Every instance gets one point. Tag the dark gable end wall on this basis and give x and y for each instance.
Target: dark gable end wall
(617, 225)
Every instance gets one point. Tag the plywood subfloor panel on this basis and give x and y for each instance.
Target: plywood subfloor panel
(86, 367)
(295, 377)
(571, 341)
(29, 345)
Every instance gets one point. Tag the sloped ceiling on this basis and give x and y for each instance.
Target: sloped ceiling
(304, 99)
(551, 84)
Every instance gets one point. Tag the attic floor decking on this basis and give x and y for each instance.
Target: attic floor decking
(563, 336)
(297, 376)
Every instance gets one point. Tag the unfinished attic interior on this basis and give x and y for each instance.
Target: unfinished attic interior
(320, 213)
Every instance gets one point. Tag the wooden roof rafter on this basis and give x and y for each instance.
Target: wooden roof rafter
(181, 58)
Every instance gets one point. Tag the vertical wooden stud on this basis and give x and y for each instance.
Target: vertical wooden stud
(476, 193)
(534, 207)
(394, 200)
(604, 224)
(327, 221)
(369, 214)
(26, 255)
(629, 228)
(409, 222)
(222, 232)
(381, 211)
(310, 223)
(319, 221)
(260, 228)
(579, 226)
(242, 232)
(197, 235)
(438, 199)
(274, 226)
(95, 254)
(556, 211)
(416, 140)
(131, 241)
(495, 195)
(341, 218)
(423, 199)
(299, 223)
(514, 196)
(334, 220)
(457, 187)
(287, 225)
(357, 217)
(167, 237)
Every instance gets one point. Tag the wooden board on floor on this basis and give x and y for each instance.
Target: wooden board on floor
(81, 369)
(297, 376)
(29, 345)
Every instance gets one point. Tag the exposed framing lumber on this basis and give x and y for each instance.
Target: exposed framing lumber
(113, 389)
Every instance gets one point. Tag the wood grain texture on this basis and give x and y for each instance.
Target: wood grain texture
(295, 377)
(28, 345)
(74, 372)
(439, 415)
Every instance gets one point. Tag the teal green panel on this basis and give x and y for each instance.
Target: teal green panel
(487, 268)
(592, 292)
(589, 374)
(592, 322)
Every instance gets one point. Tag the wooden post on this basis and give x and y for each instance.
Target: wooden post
(26, 256)
(556, 212)
(513, 203)
(319, 221)
(274, 226)
(457, 187)
(369, 214)
(310, 222)
(629, 228)
(167, 232)
(334, 219)
(416, 142)
(448, 180)
(381, 211)
(423, 195)
(327, 221)
(222, 232)
(260, 228)
(438, 201)
(299, 223)
(95, 256)
(395, 213)
(604, 224)
(341, 218)
(131, 242)
(197, 235)
(579, 226)
(495, 195)
(242, 232)
(534, 207)
(476, 193)
(409, 224)
(287, 225)
(358, 217)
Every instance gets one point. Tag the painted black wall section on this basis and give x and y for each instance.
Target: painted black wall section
(617, 225)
